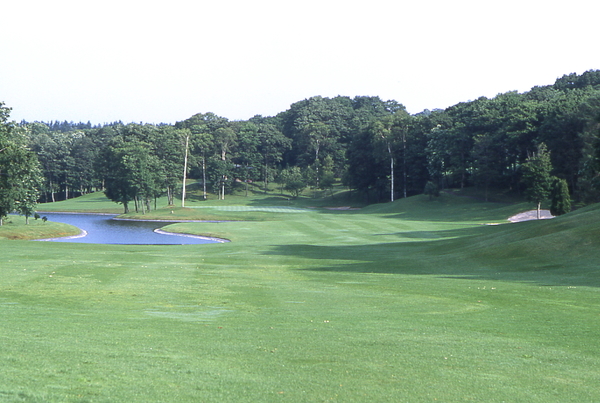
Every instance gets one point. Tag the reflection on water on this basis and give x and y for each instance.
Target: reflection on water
(100, 228)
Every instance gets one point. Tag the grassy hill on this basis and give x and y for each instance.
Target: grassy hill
(411, 301)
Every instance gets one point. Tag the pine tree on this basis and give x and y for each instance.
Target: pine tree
(431, 189)
(560, 198)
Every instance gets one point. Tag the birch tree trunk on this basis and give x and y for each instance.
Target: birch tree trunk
(391, 172)
(185, 162)
(204, 175)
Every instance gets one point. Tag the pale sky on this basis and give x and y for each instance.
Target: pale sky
(164, 61)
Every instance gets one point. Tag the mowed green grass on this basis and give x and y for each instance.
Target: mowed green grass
(411, 301)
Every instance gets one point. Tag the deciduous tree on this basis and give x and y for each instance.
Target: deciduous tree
(19, 170)
(293, 180)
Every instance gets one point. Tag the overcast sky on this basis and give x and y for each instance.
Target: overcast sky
(163, 61)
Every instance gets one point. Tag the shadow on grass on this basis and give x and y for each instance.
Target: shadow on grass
(446, 258)
(431, 235)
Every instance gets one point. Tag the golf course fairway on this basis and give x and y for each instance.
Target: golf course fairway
(410, 301)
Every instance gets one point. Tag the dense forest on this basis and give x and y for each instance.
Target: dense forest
(373, 146)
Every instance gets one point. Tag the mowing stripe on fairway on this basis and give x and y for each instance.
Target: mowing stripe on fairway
(271, 209)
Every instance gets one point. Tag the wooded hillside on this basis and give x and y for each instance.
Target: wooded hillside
(374, 146)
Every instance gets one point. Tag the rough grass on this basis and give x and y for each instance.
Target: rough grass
(411, 301)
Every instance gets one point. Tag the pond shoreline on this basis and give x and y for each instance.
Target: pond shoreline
(208, 238)
(83, 233)
(111, 217)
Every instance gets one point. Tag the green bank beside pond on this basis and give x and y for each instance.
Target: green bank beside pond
(14, 227)
(410, 301)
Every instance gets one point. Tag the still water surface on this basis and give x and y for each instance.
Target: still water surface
(100, 228)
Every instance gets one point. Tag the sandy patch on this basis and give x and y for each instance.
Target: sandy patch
(531, 215)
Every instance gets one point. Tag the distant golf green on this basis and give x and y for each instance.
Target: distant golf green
(410, 301)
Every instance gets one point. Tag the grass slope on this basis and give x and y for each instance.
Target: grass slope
(410, 301)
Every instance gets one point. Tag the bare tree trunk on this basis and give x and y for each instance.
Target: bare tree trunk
(266, 181)
(204, 175)
(317, 165)
(247, 180)
(391, 173)
(169, 196)
(404, 162)
(185, 162)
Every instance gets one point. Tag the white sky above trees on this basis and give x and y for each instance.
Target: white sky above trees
(150, 61)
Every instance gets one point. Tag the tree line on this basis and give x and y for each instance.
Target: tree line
(375, 147)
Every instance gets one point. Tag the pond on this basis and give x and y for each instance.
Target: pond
(104, 229)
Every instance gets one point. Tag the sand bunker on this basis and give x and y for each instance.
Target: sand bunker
(530, 215)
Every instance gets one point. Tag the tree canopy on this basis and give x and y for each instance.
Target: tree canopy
(19, 170)
(373, 146)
